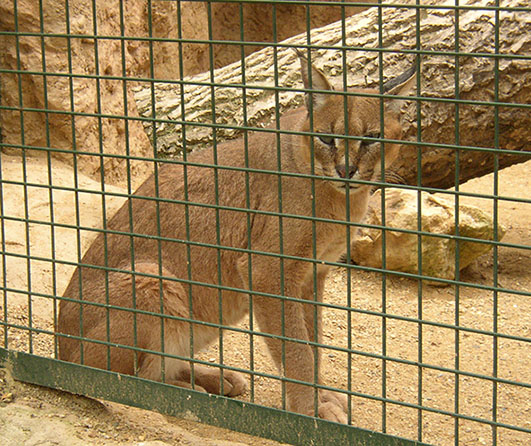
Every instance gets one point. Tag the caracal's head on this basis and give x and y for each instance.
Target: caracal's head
(347, 141)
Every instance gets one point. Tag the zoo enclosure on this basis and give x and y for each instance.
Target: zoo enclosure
(181, 112)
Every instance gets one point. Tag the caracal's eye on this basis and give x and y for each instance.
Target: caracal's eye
(327, 140)
(367, 142)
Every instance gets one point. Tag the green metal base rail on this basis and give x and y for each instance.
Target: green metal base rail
(215, 410)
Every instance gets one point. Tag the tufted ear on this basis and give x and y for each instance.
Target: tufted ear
(403, 84)
(318, 82)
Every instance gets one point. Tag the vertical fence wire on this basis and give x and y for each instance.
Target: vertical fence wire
(495, 192)
(129, 183)
(216, 191)
(348, 232)
(101, 152)
(162, 311)
(248, 215)
(75, 169)
(185, 194)
(418, 105)
(384, 235)
(24, 182)
(456, 209)
(315, 294)
(49, 168)
(280, 200)
(4, 256)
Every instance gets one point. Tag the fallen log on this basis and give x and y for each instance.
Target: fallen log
(486, 87)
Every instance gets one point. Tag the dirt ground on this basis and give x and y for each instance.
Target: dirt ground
(34, 416)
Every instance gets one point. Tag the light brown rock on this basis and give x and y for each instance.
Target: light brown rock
(64, 102)
(438, 217)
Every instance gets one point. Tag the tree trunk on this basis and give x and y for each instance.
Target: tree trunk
(480, 124)
(180, 31)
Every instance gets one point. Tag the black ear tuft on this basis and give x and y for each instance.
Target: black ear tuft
(402, 84)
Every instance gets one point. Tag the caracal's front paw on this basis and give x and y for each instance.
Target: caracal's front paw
(333, 406)
(340, 399)
(332, 412)
(233, 383)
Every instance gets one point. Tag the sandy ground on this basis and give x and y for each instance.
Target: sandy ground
(34, 416)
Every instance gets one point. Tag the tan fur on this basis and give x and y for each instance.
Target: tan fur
(150, 295)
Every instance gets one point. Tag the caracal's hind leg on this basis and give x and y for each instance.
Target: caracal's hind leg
(166, 367)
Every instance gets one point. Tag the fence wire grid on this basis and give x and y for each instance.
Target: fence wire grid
(158, 193)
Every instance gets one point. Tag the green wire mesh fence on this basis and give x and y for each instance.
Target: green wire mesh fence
(171, 229)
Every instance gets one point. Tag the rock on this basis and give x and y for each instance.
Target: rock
(437, 217)
(70, 125)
